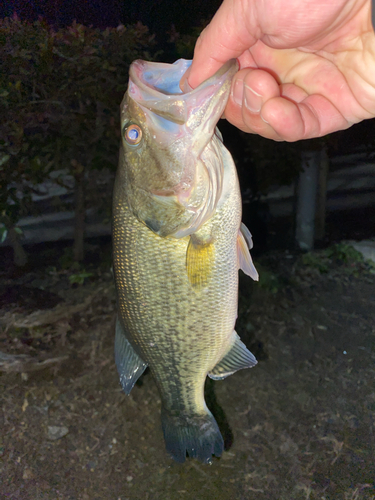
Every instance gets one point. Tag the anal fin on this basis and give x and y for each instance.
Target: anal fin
(129, 364)
(237, 358)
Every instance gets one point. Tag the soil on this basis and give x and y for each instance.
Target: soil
(300, 425)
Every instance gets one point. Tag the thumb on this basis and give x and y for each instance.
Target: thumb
(226, 37)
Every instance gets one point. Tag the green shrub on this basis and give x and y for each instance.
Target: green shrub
(339, 254)
(344, 253)
(316, 261)
(59, 99)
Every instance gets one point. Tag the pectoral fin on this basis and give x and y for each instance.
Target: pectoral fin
(129, 365)
(200, 256)
(237, 358)
(244, 245)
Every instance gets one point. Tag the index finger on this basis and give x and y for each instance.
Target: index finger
(226, 37)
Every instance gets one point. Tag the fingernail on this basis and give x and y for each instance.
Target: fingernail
(237, 92)
(253, 100)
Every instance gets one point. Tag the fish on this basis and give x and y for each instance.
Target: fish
(178, 243)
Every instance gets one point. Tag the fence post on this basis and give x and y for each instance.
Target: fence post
(306, 199)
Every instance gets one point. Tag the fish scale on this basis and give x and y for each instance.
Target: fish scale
(177, 296)
(157, 291)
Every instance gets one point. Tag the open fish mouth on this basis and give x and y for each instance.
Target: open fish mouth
(155, 87)
(180, 126)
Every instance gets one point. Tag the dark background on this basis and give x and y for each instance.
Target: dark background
(165, 18)
(158, 15)
(162, 17)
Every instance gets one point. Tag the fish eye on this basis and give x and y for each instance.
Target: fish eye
(133, 134)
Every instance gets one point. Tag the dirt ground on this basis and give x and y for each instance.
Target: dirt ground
(300, 425)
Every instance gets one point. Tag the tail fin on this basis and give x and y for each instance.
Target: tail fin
(195, 435)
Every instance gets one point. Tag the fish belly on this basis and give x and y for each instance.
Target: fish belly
(177, 329)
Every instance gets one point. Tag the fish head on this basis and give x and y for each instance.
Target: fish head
(169, 157)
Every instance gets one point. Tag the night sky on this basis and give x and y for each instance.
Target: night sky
(158, 15)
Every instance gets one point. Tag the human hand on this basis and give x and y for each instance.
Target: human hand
(307, 67)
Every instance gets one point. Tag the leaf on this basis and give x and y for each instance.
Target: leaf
(79, 278)
(4, 159)
(4, 234)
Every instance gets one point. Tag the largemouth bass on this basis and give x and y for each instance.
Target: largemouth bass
(178, 244)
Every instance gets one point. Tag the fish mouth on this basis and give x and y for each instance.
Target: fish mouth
(155, 87)
(181, 125)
